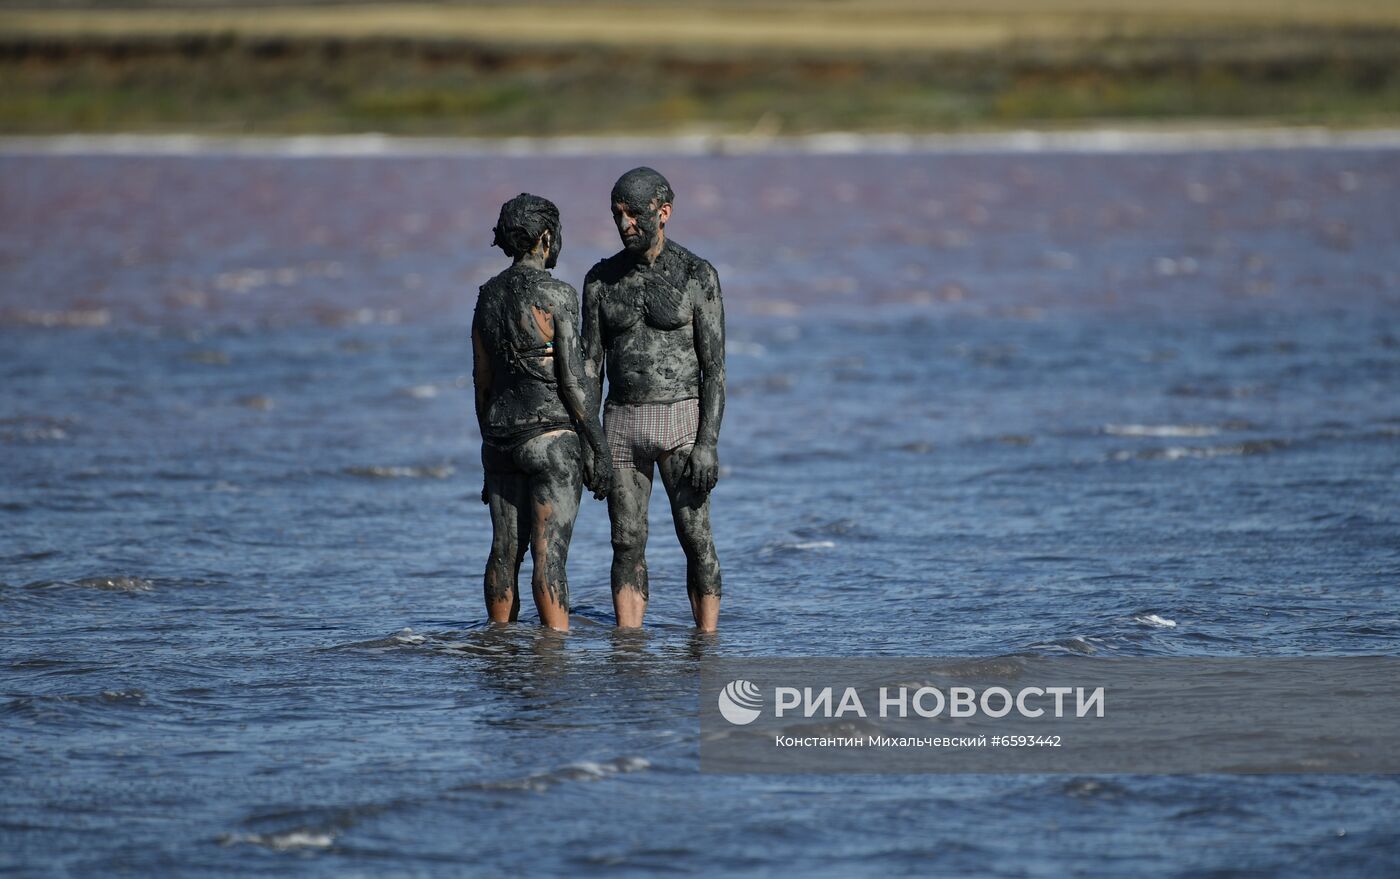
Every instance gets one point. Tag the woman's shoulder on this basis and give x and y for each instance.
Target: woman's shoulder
(555, 292)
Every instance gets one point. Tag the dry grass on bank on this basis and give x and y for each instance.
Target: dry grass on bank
(538, 67)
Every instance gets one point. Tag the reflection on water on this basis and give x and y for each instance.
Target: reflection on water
(981, 405)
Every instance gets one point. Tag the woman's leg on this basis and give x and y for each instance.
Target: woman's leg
(555, 473)
(508, 499)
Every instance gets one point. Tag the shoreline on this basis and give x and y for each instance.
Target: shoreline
(1090, 141)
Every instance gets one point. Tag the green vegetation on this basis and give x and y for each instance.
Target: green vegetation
(536, 68)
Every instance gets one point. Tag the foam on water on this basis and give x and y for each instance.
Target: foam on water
(105, 584)
(437, 471)
(583, 771)
(291, 840)
(1157, 430)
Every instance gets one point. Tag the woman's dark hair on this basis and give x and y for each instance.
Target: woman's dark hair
(523, 220)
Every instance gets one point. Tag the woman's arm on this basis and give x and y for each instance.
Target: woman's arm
(481, 381)
(569, 370)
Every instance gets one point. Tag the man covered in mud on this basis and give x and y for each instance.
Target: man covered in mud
(531, 406)
(653, 324)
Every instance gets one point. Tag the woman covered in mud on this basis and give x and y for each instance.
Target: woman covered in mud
(531, 407)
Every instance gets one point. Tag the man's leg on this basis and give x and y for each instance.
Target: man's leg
(627, 510)
(690, 510)
(556, 483)
(507, 498)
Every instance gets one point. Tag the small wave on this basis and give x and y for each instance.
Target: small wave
(108, 584)
(35, 556)
(1091, 788)
(116, 584)
(257, 401)
(1177, 453)
(289, 840)
(1160, 430)
(819, 529)
(1218, 392)
(1247, 349)
(34, 435)
(57, 706)
(482, 638)
(179, 475)
(1081, 645)
(421, 392)
(404, 637)
(744, 349)
(800, 546)
(353, 317)
(101, 584)
(583, 771)
(35, 429)
(589, 615)
(809, 455)
(74, 317)
(440, 471)
(209, 358)
(1152, 619)
(1216, 811)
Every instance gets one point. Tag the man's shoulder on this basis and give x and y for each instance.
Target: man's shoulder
(693, 266)
(685, 256)
(609, 269)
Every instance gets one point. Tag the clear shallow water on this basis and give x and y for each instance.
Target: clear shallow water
(978, 405)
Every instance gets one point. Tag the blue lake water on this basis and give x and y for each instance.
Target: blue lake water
(1113, 405)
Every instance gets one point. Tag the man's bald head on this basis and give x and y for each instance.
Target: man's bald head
(641, 204)
(641, 190)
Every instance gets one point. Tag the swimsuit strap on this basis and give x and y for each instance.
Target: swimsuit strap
(516, 359)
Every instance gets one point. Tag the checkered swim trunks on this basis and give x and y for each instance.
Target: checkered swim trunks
(639, 433)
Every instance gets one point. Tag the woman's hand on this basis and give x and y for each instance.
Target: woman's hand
(598, 473)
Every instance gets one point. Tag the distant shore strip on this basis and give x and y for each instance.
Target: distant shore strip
(1098, 140)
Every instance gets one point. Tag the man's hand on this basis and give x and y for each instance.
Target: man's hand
(703, 468)
(598, 473)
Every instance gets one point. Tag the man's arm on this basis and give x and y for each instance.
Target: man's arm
(709, 349)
